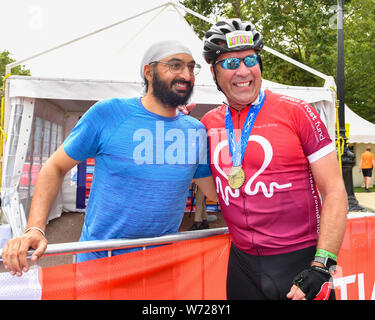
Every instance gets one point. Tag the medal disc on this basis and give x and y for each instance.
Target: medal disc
(236, 177)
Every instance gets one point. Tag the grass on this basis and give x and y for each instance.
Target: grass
(362, 189)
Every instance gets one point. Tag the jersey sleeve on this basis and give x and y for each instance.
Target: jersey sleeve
(86, 140)
(313, 134)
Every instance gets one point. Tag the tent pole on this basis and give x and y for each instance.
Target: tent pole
(296, 63)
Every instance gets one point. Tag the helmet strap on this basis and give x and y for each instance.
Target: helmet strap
(260, 63)
(215, 78)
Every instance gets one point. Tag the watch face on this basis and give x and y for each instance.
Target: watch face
(321, 260)
(329, 263)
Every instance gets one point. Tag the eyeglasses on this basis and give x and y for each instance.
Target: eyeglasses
(179, 66)
(234, 63)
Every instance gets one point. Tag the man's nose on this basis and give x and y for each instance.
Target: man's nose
(187, 74)
(243, 70)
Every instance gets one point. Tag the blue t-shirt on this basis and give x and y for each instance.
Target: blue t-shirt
(144, 164)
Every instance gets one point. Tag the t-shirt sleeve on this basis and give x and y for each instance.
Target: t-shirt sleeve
(313, 134)
(86, 140)
(203, 169)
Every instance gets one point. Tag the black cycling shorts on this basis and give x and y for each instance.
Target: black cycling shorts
(265, 277)
(367, 172)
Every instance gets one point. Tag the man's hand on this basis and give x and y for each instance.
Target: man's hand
(14, 253)
(187, 108)
(296, 293)
(314, 283)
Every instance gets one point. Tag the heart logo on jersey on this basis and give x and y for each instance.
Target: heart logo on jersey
(249, 188)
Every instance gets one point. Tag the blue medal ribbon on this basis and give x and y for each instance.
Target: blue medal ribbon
(237, 150)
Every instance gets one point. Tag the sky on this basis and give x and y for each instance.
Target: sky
(31, 26)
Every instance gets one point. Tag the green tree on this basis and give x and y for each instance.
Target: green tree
(359, 33)
(306, 31)
(5, 58)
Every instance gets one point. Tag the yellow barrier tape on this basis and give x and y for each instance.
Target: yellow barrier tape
(2, 131)
(340, 141)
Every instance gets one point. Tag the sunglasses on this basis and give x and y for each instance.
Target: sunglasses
(234, 63)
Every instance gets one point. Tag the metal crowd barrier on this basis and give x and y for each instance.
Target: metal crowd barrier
(74, 248)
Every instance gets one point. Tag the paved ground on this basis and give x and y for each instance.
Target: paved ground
(366, 199)
(68, 227)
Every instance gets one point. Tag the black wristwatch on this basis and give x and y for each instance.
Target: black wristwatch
(327, 262)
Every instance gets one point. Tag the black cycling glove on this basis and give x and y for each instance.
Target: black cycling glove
(316, 283)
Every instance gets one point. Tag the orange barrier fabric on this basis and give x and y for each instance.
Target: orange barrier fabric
(355, 277)
(197, 269)
(194, 269)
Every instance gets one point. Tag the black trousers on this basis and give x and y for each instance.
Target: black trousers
(265, 277)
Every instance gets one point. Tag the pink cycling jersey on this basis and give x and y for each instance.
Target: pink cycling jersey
(277, 209)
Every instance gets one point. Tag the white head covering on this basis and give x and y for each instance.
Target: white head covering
(161, 50)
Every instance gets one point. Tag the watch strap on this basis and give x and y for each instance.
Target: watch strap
(327, 262)
(325, 254)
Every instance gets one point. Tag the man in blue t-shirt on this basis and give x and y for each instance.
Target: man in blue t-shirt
(146, 155)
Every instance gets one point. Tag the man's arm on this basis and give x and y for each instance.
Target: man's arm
(207, 185)
(46, 189)
(328, 179)
(331, 186)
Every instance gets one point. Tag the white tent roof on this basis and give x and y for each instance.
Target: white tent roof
(361, 130)
(115, 52)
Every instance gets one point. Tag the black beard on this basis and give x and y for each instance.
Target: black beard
(166, 95)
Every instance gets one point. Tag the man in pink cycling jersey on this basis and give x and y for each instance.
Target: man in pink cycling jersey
(270, 154)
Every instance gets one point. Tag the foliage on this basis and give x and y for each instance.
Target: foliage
(360, 58)
(5, 58)
(306, 31)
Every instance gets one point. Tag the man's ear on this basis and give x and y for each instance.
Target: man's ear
(212, 71)
(148, 72)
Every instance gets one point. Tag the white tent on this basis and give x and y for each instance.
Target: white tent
(361, 135)
(41, 110)
(361, 130)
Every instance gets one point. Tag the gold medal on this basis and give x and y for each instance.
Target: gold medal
(236, 177)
